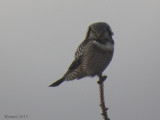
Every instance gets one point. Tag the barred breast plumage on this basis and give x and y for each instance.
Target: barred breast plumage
(96, 58)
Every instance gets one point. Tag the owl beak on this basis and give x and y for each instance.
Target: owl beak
(97, 35)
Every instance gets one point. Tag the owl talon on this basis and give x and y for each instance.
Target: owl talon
(102, 79)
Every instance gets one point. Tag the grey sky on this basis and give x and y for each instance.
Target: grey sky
(38, 39)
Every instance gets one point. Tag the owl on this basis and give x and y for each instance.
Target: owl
(92, 56)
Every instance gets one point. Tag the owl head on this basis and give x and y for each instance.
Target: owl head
(100, 32)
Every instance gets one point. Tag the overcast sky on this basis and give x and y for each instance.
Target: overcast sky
(38, 39)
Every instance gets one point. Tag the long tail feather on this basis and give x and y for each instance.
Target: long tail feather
(58, 82)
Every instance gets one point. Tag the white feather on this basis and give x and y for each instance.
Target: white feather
(107, 46)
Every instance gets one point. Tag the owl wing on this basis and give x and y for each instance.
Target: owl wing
(80, 49)
(71, 72)
(74, 65)
(78, 57)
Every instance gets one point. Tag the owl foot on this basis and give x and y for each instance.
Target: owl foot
(102, 79)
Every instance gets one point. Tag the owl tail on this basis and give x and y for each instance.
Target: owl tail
(58, 82)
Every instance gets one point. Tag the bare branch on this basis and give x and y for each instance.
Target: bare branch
(102, 102)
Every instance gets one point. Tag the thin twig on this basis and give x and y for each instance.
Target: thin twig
(102, 102)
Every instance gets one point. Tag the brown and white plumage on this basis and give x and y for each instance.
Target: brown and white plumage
(93, 55)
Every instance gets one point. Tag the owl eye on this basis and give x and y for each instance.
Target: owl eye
(94, 31)
(104, 30)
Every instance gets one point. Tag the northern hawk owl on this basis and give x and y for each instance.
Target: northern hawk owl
(93, 55)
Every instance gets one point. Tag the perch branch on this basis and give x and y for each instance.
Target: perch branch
(102, 102)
